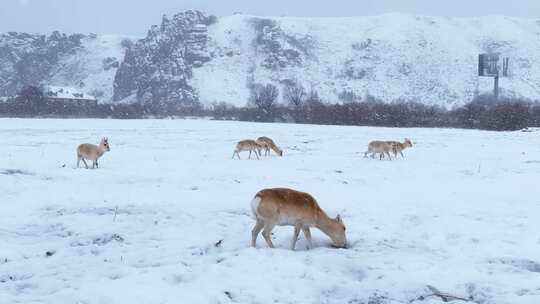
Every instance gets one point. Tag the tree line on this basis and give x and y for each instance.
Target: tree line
(301, 106)
(305, 106)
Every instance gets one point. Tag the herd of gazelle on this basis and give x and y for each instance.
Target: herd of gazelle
(257, 146)
(384, 147)
(278, 206)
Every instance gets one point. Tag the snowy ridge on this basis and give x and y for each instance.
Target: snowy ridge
(392, 57)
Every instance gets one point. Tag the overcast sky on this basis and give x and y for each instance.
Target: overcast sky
(133, 17)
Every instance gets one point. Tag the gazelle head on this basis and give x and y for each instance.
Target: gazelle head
(337, 232)
(408, 142)
(105, 144)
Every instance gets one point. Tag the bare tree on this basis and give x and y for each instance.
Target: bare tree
(264, 97)
(295, 94)
(313, 96)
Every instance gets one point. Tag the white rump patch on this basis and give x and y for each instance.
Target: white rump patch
(255, 204)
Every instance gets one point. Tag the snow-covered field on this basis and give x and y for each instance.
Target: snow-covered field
(166, 217)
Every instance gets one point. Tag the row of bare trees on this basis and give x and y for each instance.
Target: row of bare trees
(301, 106)
(264, 98)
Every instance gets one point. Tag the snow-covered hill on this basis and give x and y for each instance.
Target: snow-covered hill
(192, 56)
(85, 62)
(167, 218)
(92, 69)
(392, 57)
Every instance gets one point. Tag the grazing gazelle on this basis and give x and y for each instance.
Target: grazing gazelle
(92, 152)
(267, 144)
(247, 145)
(398, 147)
(287, 207)
(381, 147)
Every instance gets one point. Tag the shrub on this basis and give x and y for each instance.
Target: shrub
(505, 116)
(264, 98)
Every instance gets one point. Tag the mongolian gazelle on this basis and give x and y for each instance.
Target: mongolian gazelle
(381, 147)
(287, 207)
(267, 144)
(247, 145)
(92, 152)
(398, 147)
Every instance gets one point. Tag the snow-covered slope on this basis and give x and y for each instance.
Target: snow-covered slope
(167, 218)
(392, 57)
(85, 62)
(92, 69)
(192, 56)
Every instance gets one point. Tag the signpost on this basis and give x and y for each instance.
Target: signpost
(490, 65)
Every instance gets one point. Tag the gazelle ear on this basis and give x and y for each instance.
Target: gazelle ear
(338, 219)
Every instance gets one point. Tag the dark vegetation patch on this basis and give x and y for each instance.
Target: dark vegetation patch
(299, 106)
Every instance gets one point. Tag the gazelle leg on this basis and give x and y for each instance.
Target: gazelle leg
(257, 155)
(255, 232)
(78, 161)
(295, 236)
(388, 153)
(401, 154)
(93, 164)
(307, 234)
(267, 234)
(97, 165)
(85, 164)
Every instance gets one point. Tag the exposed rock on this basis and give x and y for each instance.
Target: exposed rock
(156, 69)
(28, 59)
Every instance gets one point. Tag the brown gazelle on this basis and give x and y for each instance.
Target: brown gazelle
(287, 207)
(398, 147)
(92, 152)
(381, 147)
(267, 144)
(247, 145)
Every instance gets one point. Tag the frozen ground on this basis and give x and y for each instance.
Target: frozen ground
(459, 213)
